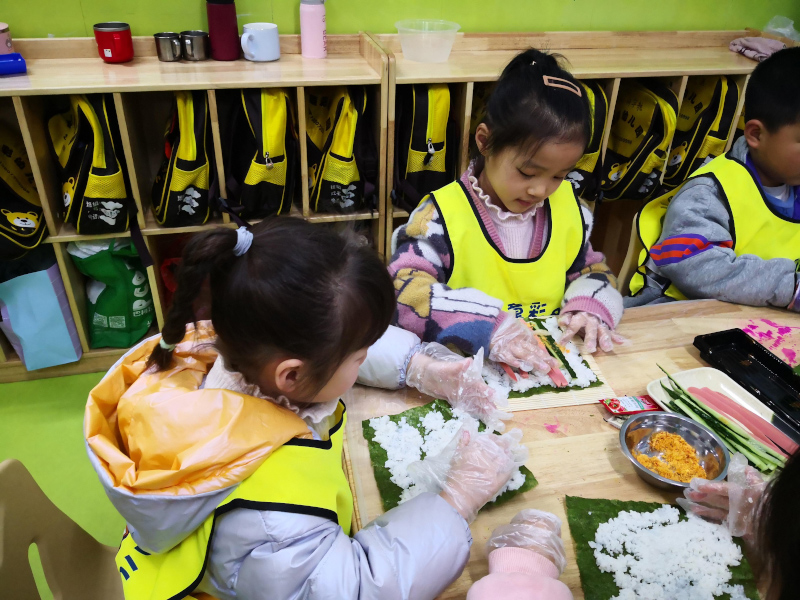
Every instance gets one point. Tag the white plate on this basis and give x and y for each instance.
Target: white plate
(713, 379)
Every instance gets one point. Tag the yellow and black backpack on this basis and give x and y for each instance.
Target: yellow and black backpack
(704, 120)
(181, 190)
(263, 157)
(585, 178)
(425, 143)
(94, 181)
(643, 126)
(342, 155)
(22, 225)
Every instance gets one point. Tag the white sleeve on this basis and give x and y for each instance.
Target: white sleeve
(387, 358)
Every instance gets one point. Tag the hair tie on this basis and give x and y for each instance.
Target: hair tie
(244, 239)
(166, 346)
(564, 84)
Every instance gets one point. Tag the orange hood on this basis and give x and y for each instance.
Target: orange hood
(160, 434)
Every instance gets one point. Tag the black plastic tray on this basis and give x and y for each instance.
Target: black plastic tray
(758, 371)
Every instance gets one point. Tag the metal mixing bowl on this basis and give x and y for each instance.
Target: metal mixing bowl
(634, 436)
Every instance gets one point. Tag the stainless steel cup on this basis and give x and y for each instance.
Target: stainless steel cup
(168, 46)
(195, 45)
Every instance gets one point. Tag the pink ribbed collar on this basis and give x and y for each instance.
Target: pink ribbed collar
(502, 215)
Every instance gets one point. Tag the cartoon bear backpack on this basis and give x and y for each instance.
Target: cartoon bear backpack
(22, 225)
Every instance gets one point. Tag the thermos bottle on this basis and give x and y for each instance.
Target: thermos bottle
(313, 42)
(223, 31)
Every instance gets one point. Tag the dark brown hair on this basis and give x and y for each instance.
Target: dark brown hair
(778, 534)
(523, 112)
(773, 92)
(301, 290)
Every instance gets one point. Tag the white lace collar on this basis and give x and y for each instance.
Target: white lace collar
(317, 416)
(501, 215)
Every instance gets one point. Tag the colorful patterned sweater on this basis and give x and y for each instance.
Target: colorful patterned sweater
(466, 318)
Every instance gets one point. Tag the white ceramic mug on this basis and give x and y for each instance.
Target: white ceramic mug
(260, 42)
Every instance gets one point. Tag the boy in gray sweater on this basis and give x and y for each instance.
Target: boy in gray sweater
(732, 232)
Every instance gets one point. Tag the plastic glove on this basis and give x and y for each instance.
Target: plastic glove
(534, 530)
(436, 371)
(472, 469)
(514, 344)
(734, 502)
(594, 331)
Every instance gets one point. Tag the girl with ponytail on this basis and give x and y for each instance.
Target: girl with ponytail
(220, 441)
(509, 240)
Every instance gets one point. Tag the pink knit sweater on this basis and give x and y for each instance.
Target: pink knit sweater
(519, 574)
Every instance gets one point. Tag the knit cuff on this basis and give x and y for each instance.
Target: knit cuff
(590, 305)
(521, 560)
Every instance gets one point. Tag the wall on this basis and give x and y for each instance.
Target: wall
(60, 18)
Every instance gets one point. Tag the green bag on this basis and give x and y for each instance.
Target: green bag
(118, 297)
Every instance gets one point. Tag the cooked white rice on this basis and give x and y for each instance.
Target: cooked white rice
(404, 445)
(498, 379)
(656, 556)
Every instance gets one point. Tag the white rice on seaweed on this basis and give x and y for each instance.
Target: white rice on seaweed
(405, 444)
(496, 378)
(656, 556)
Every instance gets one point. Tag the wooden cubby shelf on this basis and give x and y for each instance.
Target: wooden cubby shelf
(142, 93)
(477, 59)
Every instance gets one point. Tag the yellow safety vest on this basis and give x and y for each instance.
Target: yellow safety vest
(755, 229)
(301, 477)
(528, 287)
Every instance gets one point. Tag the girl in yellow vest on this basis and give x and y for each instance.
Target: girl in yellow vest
(220, 442)
(509, 240)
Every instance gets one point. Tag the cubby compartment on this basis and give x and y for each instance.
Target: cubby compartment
(146, 117)
(329, 203)
(271, 177)
(80, 288)
(426, 152)
(112, 204)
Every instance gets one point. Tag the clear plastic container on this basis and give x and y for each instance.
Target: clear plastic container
(427, 40)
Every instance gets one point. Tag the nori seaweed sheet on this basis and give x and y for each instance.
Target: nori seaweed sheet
(583, 527)
(553, 348)
(390, 492)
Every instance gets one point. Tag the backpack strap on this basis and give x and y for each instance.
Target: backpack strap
(364, 150)
(137, 238)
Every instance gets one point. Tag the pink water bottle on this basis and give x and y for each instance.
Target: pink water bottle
(313, 41)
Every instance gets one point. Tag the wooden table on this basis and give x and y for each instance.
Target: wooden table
(581, 457)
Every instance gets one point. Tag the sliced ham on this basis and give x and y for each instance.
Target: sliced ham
(555, 373)
(509, 371)
(760, 428)
(558, 377)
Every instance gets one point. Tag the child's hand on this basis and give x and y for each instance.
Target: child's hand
(533, 530)
(734, 502)
(483, 463)
(594, 331)
(436, 371)
(515, 344)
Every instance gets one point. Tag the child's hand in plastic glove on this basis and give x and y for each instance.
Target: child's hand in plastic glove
(436, 371)
(534, 530)
(594, 330)
(735, 502)
(472, 469)
(483, 463)
(515, 344)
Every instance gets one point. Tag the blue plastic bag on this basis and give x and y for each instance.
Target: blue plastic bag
(36, 317)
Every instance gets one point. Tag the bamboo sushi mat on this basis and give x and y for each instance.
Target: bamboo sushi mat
(570, 397)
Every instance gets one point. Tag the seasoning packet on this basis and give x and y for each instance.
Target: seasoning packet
(629, 405)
